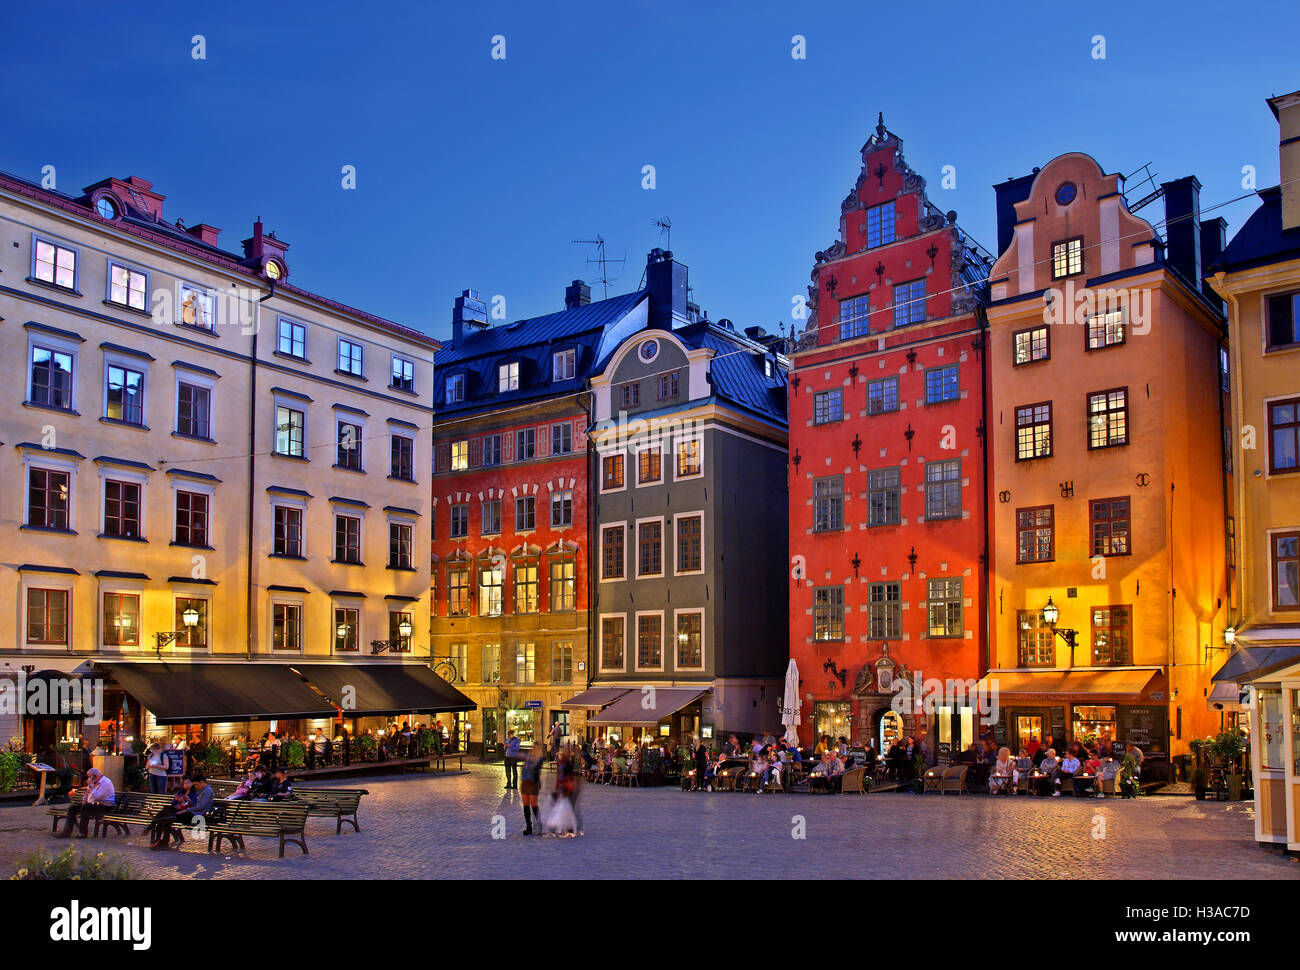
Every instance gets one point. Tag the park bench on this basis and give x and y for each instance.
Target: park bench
(340, 804)
(286, 821)
(131, 808)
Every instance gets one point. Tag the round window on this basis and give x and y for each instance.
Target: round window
(649, 350)
(106, 208)
(273, 270)
(1065, 193)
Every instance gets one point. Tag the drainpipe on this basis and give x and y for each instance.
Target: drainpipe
(252, 467)
(584, 399)
(986, 607)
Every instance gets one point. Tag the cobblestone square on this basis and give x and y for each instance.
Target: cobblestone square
(429, 826)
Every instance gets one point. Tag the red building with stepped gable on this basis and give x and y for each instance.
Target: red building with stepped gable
(887, 464)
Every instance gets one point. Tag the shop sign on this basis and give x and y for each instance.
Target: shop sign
(532, 705)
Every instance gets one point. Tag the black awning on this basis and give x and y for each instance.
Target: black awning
(206, 693)
(368, 689)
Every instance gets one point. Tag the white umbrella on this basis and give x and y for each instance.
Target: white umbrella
(790, 703)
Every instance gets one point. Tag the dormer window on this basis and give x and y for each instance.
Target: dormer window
(455, 388)
(508, 377)
(563, 364)
(106, 207)
(273, 270)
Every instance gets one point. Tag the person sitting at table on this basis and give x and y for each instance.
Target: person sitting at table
(1032, 746)
(827, 774)
(869, 757)
(1047, 770)
(990, 753)
(1024, 764)
(1003, 770)
(1106, 777)
(1069, 768)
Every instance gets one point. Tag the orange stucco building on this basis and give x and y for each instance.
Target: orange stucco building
(1106, 488)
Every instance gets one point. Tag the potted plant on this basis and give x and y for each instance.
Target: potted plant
(1228, 748)
(1128, 777)
(1200, 774)
(293, 753)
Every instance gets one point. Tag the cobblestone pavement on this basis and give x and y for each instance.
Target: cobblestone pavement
(422, 826)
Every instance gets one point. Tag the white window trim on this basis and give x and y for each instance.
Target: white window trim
(351, 512)
(53, 342)
(694, 514)
(294, 404)
(636, 641)
(129, 476)
(414, 454)
(561, 424)
(1271, 571)
(551, 509)
(281, 598)
(281, 319)
(347, 603)
(108, 285)
(451, 455)
(600, 653)
(130, 587)
(508, 377)
(195, 594)
(180, 484)
(338, 354)
(453, 380)
(76, 264)
(521, 498)
(356, 420)
(53, 463)
(194, 379)
(569, 355)
(601, 567)
(183, 284)
(139, 366)
(517, 681)
(408, 360)
(610, 454)
(663, 546)
(291, 502)
(59, 581)
(663, 475)
(677, 665)
(677, 442)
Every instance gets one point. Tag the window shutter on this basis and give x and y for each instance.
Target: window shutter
(508, 446)
(543, 441)
(443, 460)
(475, 452)
(577, 435)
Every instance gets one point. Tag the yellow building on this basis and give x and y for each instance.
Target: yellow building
(1106, 482)
(1259, 276)
(201, 462)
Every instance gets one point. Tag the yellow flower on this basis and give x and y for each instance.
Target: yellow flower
(21, 874)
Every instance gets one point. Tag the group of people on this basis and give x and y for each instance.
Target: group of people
(603, 758)
(1078, 765)
(524, 773)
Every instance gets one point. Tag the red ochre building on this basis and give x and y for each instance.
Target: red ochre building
(887, 529)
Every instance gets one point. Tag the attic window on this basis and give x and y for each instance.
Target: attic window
(563, 365)
(455, 388)
(767, 366)
(273, 270)
(106, 207)
(508, 377)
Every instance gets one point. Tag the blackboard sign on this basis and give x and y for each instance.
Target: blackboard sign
(175, 761)
(1058, 728)
(1144, 726)
(999, 732)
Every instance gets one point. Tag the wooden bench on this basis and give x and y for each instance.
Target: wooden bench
(340, 804)
(131, 808)
(286, 821)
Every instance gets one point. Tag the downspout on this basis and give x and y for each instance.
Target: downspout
(592, 588)
(252, 468)
(986, 619)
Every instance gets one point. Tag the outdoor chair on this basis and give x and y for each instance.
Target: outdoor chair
(954, 779)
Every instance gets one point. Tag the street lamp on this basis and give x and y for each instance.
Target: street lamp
(402, 643)
(189, 617)
(1071, 637)
(1230, 635)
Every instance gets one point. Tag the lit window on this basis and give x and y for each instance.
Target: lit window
(127, 287)
(508, 377)
(1067, 258)
(563, 365)
(1034, 431)
(459, 455)
(55, 264)
(1030, 345)
(1108, 418)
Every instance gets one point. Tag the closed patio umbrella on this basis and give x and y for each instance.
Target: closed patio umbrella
(790, 703)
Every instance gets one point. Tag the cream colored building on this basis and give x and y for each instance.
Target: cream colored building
(1259, 277)
(186, 430)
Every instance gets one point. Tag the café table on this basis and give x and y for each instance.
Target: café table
(1002, 784)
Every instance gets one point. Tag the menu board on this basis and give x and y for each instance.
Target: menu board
(1058, 727)
(1143, 726)
(175, 761)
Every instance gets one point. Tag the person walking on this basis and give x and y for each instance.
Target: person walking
(557, 735)
(701, 766)
(530, 786)
(512, 761)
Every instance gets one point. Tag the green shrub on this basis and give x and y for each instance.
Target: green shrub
(293, 753)
(10, 765)
(69, 864)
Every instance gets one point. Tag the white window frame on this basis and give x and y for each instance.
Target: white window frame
(601, 565)
(139, 366)
(663, 547)
(338, 357)
(129, 476)
(600, 634)
(129, 268)
(281, 598)
(56, 581)
(52, 463)
(292, 404)
(181, 484)
(564, 365)
(530, 659)
(695, 514)
(358, 422)
(555, 495)
(350, 512)
(508, 377)
(412, 523)
(455, 383)
(281, 321)
(206, 381)
(292, 502)
(57, 244)
(55, 344)
(677, 442)
(463, 464)
(636, 641)
(185, 285)
(694, 611)
(392, 373)
(414, 456)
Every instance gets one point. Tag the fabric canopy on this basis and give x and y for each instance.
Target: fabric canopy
(1080, 682)
(646, 708)
(367, 689)
(207, 693)
(1224, 696)
(595, 698)
(1250, 663)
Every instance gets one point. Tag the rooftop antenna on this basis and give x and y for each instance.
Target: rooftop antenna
(1150, 197)
(604, 279)
(665, 227)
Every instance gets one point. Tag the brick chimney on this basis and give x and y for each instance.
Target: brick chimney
(260, 247)
(1183, 228)
(577, 294)
(666, 282)
(134, 191)
(1286, 108)
(468, 311)
(204, 233)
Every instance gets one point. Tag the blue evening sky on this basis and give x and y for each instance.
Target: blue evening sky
(474, 172)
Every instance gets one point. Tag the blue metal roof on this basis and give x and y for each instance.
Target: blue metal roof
(737, 370)
(1261, 240)
(530, 343)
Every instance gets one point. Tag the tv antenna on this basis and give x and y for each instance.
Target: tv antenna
(665, 227)
(602, 260)
(1148, 179)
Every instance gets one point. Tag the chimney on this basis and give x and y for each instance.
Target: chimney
(577, 294)
(1286, 108)
(135, 192)
(468, 311)
(1008, 194)
(665, 281)
(1213, 240)
(1183, 228)
(204, 233)
(259, 247)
